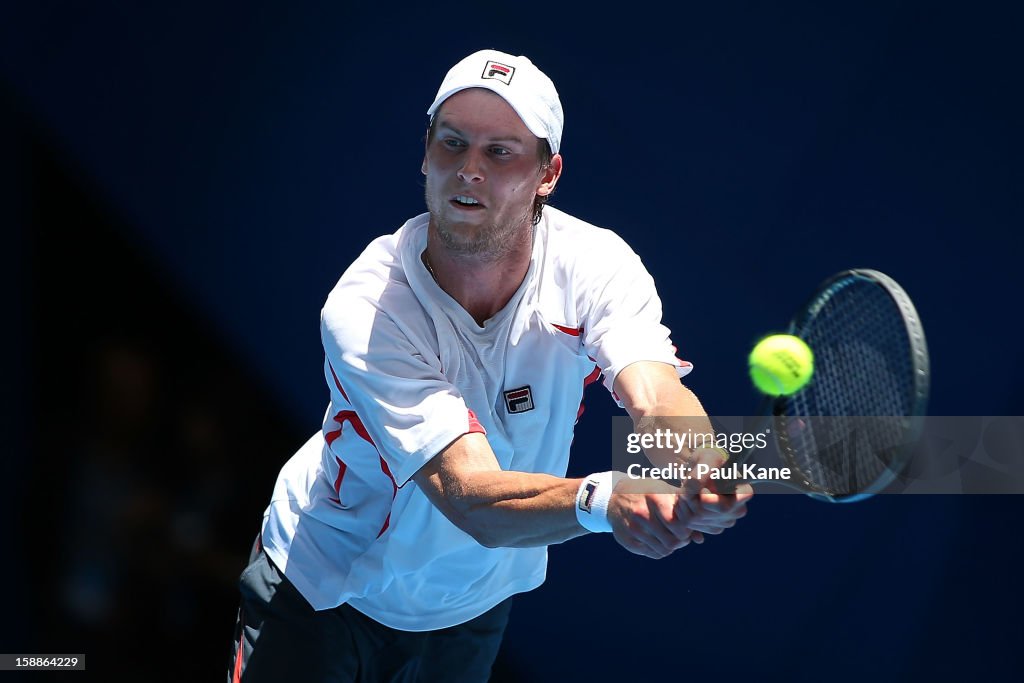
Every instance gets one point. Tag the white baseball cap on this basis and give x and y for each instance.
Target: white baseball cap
(518, 81)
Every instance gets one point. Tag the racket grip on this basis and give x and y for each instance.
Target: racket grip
(727, 485)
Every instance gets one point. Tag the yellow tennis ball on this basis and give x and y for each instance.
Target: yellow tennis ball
(781, 364)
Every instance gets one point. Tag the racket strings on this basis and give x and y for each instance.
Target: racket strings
(843, 432)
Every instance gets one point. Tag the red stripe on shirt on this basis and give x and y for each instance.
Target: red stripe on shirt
(680, 362)
(387, 470)
(590, 379)
(349, 416)
(236, 674)
(474, 424)
(337, 382)
(571, 331)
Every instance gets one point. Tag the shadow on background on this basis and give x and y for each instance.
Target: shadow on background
(153, 450)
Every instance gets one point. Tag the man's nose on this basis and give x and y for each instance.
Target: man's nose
(472, 166)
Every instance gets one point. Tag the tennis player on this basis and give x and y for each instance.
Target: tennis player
(457, 350)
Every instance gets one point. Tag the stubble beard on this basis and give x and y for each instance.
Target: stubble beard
(490, 243)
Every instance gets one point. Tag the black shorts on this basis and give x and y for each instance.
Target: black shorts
(279, 637)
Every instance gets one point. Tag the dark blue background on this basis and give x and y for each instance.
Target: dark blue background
(248, 152)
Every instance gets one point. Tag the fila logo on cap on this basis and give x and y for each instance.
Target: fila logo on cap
(519, 400)
(498, 71)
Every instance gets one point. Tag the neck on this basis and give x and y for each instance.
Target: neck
(481, 286)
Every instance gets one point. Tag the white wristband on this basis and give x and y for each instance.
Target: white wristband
(592, 502)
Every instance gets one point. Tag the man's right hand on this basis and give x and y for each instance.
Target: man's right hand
(654, 519)
(648, 519)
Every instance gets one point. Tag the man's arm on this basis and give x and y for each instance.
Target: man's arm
(654, 397)
(496, 507)
(520, 509)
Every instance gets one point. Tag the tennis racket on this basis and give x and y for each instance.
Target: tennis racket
(850, 431)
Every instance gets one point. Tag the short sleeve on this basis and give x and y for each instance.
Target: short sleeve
(394, 385)
(622, 313)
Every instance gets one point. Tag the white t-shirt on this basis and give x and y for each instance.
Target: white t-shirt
(410, 371)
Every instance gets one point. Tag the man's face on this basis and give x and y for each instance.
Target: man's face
(483, 171)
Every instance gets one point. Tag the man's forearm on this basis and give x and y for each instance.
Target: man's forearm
(680, 413)
(519, 509)
(499, 508)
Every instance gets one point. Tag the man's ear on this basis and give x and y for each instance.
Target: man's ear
(551, 175)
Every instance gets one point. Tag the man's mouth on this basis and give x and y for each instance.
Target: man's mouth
(464, 202)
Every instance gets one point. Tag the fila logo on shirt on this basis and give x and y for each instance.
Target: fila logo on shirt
(498, 71)
(519, 400)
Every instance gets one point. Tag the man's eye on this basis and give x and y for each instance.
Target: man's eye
(500, 151)
(451, 142)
